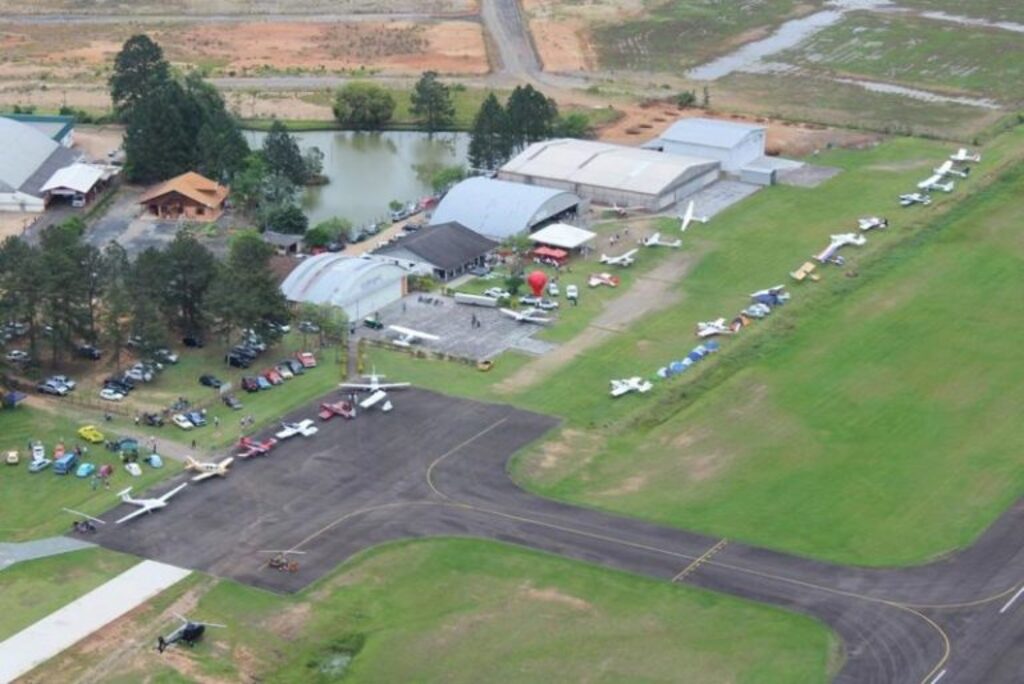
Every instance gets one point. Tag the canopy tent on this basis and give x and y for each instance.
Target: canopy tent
(563, 235)
(559, 255)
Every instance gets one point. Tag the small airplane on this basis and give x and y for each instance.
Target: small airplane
(303, 427)
(963, 156)
(249, 447)
(188, 633)
(947, 169)
(935, 183)
(656, 241)
(626, 259)
(146, 505)
(374, 384)
(376, 398)
(407, 336)
(870, 222)
(912, 198)
(339, 408)
(712, 328)
(622, 211)
(208, 470)
(603, 279)
(837, 241)
(689, 217)
(527, 316)
(627, 385)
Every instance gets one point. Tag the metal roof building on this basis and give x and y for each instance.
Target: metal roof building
(446, 251)
(733, 144)
(28, 160)
(359, 285)
(498, 209)
(611, 174)
(60, 129)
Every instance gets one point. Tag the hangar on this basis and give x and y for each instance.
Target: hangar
(30, 158)
(359, 285)
(498, 209)
(734, 145)
(611, 174)
(445, 251)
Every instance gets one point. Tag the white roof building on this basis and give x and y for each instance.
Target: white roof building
(28, 158)
(359, 285)
(611, 174)
(78, 178)
(563, 236)
(731, 143)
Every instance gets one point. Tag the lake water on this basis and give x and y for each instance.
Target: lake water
(368, 170)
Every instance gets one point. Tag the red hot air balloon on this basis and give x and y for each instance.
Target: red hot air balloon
(537, 280)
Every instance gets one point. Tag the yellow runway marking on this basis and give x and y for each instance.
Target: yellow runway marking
(437, 461)
(697, 562)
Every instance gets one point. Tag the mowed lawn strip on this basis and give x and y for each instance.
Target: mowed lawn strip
(883, 431)
(31, 590)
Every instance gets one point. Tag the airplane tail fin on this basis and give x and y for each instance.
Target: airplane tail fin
(190, 463)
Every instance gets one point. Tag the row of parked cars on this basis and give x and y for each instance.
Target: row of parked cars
(276, 375)
(117, 387)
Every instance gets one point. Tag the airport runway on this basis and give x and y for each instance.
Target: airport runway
(437, 466)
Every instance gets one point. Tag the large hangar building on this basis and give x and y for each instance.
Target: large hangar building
(735, 145)
(611, 174)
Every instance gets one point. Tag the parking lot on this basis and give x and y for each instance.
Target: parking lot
(453, 323)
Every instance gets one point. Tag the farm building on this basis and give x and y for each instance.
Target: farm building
(733, 145)
(611, 174)
(445, 251)
(29, 159)
(60, 129)
(499, 209)
(188, 196)
(79, 183)
(359, 285)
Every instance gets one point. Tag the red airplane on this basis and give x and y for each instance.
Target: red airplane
(248, 447)
(338, 408)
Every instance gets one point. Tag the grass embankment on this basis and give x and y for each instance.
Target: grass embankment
(32, 590)
(470, 611)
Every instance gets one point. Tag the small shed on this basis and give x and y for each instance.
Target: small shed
(284, 242)
(79, 182)
(563, 236)
(188, 196)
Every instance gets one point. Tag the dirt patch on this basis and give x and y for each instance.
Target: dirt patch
(563, 45)
(98, 141)
(14, 223)
(289, 623)
(903, 165)
(631, 485)
(552, 595)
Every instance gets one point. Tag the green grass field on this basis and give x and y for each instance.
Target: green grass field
(32, 590)
(992, 10)
(471, 611)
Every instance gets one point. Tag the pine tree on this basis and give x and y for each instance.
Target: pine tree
(431, 103)
(490, 144)
(139, 69)
(158, 143)
(532, 116)
(282, 155)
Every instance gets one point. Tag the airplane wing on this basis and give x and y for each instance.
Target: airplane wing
(946, 167)
(168, 495)
(133, 514)
(393, 385)
(619, 389)
(226, 462)
(205, 476)
(687, 217)
(414, 334)
(510, 313)
(372, 400)
(961, 153)
(930, 182)
(356, 385)
(629, 254)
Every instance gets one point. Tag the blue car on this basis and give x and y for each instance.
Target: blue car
(155, 461)
(85, 470)
(263, 383)
(196, 418)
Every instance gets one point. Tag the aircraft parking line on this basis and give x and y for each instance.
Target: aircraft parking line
(1013, 599)
(437, 461)
(696, 563)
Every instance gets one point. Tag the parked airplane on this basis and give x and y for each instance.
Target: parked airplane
(620, 260)
(248, 447)
(339, 408)
(656, 241)
(912, 198)
(947, 169)
(376, 398)
(622, 211)
(208, 470)
(303, 427)
(188, 633)
(829, 253)
(963, 156)
(374, 384)
(603, 279)
(935, 183)
(712, 328)
(871, 222)
(689, 217)
(146, 505)
(627, 385)
(526, 316)
(407, 336)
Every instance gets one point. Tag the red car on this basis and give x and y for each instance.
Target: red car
(306, 359)
(273, 377)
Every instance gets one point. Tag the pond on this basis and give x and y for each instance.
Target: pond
(369, 170)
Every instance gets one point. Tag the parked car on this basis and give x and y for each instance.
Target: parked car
(110, 394)
(182, 421)
(118, 386)
(572, 292)
(90, 434)
(497, 293)
(308, 327)
(263, 383)
(196, 418)
(18, 356)
(66, 463)
(335, 247)
(285, 371)
(52, 387)
(254, 341)
(250, 384)
(193, 341)
(64, 380)
(248, 352)
(273, 376)
(529, 300)
(235, 361)
(295, 365)
(210, 381)
(165, 355)
(546, 304)
(38, 450)
(553, 290)
(153, 419)
(306, 359)
(231, 401)
(15, 328)
(139, 373)
(39, 464)
(85, 470)
(87, 351)
(480, 271)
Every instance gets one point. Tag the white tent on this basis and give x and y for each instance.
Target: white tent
(77, 178)
(563, 236)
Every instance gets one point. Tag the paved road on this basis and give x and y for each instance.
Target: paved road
(442, 471)
(11, 553)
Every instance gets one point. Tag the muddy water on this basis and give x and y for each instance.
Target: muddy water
(368, 170)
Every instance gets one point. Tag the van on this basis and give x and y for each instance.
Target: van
(65, 464)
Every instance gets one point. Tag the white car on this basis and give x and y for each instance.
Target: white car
(497, 293)
(64, 380)
(17, 356)
(182, 421)
(572, 292)
(111, 394)
(139, 373)
(546, 304)
(553, 290)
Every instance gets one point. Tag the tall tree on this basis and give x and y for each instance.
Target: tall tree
(245, 293)
(363, 106)
(532, 116)
(158, 143)
(221, 148)
(116, 319)
(21, 286)
(490, 144)
(189, 270)
(431, 103)
(282, 155)
(139, 69)
(63, 271)
(287, 219)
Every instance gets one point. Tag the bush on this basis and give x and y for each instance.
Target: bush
(287, 219)
(687, 98)
(363, 106)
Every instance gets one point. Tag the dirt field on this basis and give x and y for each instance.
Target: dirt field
(207, 7)
(561, 30)
(98, 141)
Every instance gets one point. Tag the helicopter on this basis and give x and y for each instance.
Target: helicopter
(189, 633)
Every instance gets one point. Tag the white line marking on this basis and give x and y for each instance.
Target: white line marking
(938, 677)
(1006, 606)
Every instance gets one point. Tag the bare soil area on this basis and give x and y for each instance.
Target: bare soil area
(207, 7)
(561, 31)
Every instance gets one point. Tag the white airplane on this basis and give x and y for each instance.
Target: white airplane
(376, 398)
(689, 217)
(621, 260)
(837, 242)
(627, 385)
(912, 198)
(303, 427)
(947, 169)
(146, 505)
(527, 316)
(712, 328)
(208, 470)
(374, 384)
(870, 222)
(935, 183)
(407, 336)
(622, 211)
(656, 241)
(963, 156)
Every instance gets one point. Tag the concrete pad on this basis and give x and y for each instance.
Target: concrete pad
(40, 548)
(63, 628)
(718, 197)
